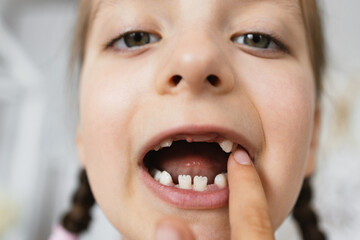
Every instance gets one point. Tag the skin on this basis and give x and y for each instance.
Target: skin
(127, 97)
(248, 209)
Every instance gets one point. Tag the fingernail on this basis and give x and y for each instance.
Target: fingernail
(242, 157)
(164, 232)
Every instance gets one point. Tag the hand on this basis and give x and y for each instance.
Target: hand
(248, 210)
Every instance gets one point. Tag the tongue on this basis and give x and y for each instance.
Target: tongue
(194, 159)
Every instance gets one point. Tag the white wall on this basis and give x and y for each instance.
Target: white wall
(38, 164)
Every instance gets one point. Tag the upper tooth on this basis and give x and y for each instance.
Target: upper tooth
(184, 181)
(166, 179)
(166, 143)
(220, 180)
(200, 183)
(156, 174)
(226, 145)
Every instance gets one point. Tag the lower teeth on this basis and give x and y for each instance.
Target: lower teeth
(200, 183)
(166, 179)
(185, 181)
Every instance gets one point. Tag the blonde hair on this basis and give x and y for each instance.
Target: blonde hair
(315, 39)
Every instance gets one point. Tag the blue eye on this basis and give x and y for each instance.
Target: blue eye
(133, 40)
(257, 40)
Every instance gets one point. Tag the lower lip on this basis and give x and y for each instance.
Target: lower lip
(186, 199)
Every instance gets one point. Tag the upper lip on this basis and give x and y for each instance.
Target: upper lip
(222, 132)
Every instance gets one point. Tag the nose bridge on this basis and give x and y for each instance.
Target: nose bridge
(197, 63)
(196, 56)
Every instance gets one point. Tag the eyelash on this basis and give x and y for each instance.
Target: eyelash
(155, 38)
(269, 37)
(121, 38)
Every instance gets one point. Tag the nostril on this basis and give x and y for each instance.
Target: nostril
(175, 80)
(213, 80)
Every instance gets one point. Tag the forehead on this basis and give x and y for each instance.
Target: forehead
(291, 6)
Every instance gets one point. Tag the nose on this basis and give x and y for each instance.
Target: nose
(196, 65)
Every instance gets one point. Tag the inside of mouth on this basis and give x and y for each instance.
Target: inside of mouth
(184, 158)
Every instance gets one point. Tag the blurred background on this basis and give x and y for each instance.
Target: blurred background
(38, 163)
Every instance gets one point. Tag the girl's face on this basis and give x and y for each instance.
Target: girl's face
(203, 71)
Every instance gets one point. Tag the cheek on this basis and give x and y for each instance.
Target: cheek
(105, 109)
(109, 100)
(284, 96)
(108, 105)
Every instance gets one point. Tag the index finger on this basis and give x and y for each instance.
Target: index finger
(248, 209)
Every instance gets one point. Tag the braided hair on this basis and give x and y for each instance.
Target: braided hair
(305, 215)
(77, 219)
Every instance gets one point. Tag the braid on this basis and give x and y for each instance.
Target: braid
(77, 219)
(305, 215)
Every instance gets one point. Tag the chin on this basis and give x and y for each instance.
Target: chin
(219, 231)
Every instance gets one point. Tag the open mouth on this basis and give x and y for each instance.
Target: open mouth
(196, 163)
(190, 170)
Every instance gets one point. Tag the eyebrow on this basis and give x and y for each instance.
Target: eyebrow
(290, 5)
(96, 8)
(293, 6)
(94, 13)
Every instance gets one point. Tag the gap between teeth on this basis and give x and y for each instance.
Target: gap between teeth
(199, 183)
(226, 145)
